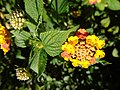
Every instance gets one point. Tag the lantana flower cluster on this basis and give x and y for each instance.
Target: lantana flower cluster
(83, 49)
(94, 1)
(4, 39)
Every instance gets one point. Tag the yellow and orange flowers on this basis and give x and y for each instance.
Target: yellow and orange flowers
(93, 1)
(83, 49)
(4, 39)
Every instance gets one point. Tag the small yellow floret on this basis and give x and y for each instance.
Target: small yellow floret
(85, 64)
(100, 44)
(92, 40)
(2, 39)
(70, 49)
(65, 58)
(99, 54)
(64, 46)
(75, 62)
(73, 40)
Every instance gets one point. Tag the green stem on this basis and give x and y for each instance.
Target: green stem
(40, 21)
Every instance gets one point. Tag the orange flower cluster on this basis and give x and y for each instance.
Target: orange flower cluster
(83, 49)
(4, 39)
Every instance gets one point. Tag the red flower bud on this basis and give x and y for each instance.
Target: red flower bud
(81, 34)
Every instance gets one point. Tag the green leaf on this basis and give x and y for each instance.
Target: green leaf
(113, 4)
(31, 9)
(31, 27)
(60, 6)
(39, 6)
(38, 87)
(57, 61)
(114, 30)
(24, 35)
(38, 60)
(49, 25)
(90, 30)
(115, 52)
(98, 13)
(103, 62)
(53, 40)
(20, 43)
(34, 8)
(8, 7)
(21, 37)
(100, 6)
(19, 55)
(105, 22)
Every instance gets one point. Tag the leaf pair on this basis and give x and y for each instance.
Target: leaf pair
(52, 42)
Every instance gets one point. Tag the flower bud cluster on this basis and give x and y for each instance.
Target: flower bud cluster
(22, 74)
(17, 20)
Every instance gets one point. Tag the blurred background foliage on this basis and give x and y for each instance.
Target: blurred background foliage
(102, 19)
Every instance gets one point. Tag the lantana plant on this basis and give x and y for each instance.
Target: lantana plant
(83, 49)
(36, 28)
(59, 44)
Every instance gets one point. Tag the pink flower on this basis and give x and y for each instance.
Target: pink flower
(5, 48)
(65, 55)
(92, 1)
(92, 60)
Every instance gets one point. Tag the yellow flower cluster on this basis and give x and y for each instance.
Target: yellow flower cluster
(4, 39)
(83, 51)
